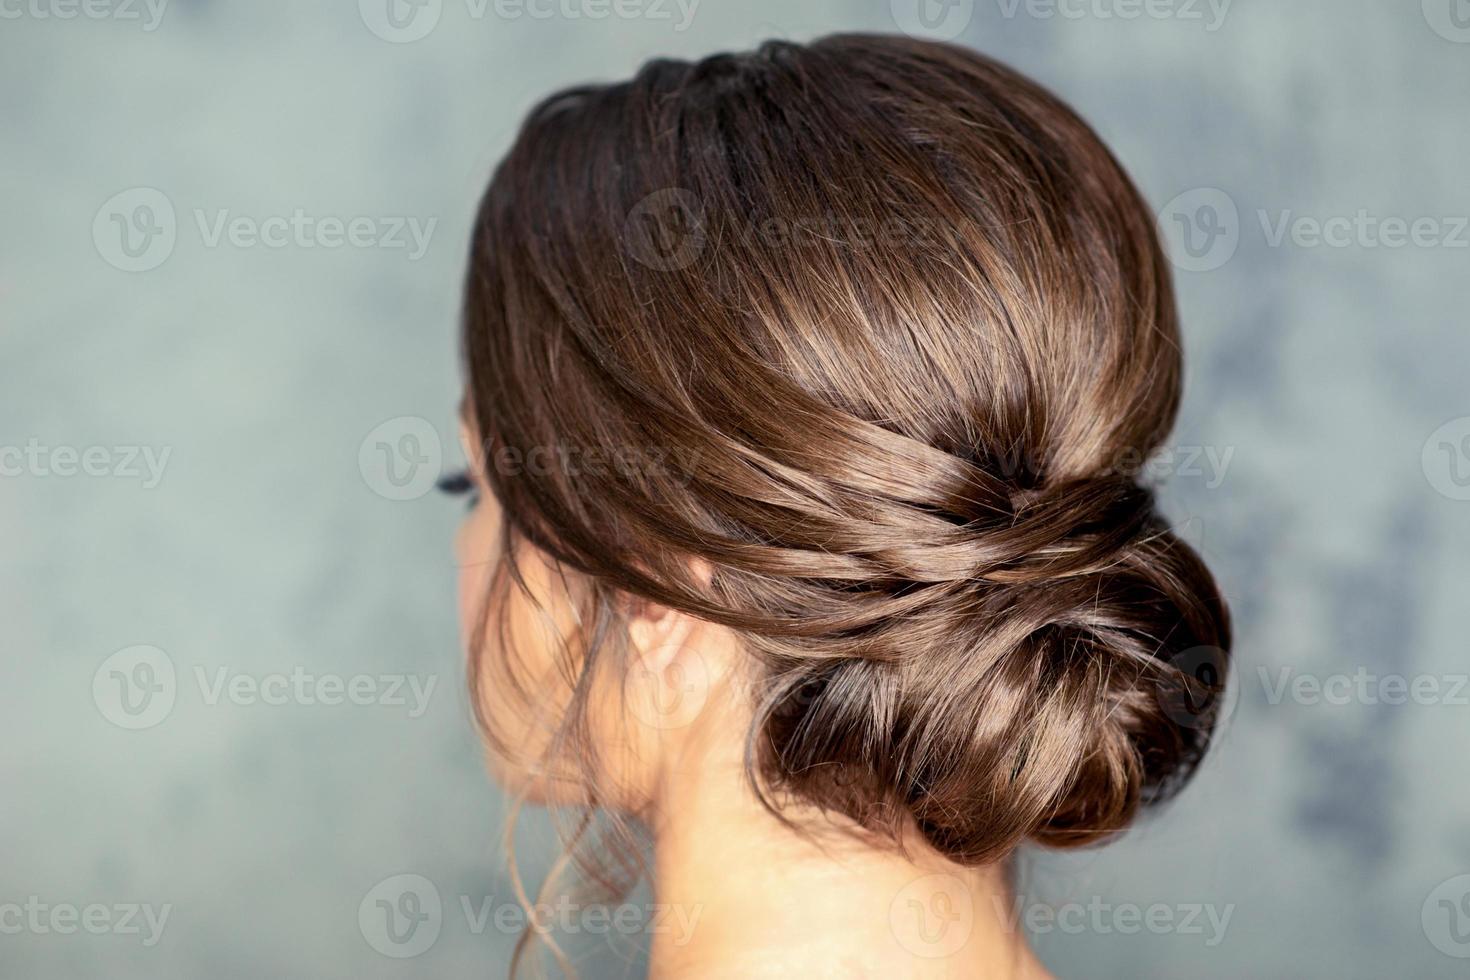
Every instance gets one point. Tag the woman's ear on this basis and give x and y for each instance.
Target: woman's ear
(658, 635)
(676, 662)
(671, 675)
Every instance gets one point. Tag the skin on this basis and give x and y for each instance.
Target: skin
(760, 898)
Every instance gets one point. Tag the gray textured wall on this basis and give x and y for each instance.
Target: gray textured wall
(1330, 829)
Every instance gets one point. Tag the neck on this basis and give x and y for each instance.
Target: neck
(753, 898)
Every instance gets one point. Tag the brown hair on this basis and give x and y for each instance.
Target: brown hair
(868, 329)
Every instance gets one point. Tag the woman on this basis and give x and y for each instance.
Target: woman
(806, 391)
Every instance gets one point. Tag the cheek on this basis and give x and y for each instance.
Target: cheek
(476, 553)
(470, 597)
(521, 733)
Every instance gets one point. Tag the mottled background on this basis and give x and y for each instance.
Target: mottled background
(1327, 380)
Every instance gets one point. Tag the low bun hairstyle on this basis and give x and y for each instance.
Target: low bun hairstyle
(874, 333)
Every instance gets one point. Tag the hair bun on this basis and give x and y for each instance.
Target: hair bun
(1039, 699)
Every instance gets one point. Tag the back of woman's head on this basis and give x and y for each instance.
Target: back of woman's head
(868, 333)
